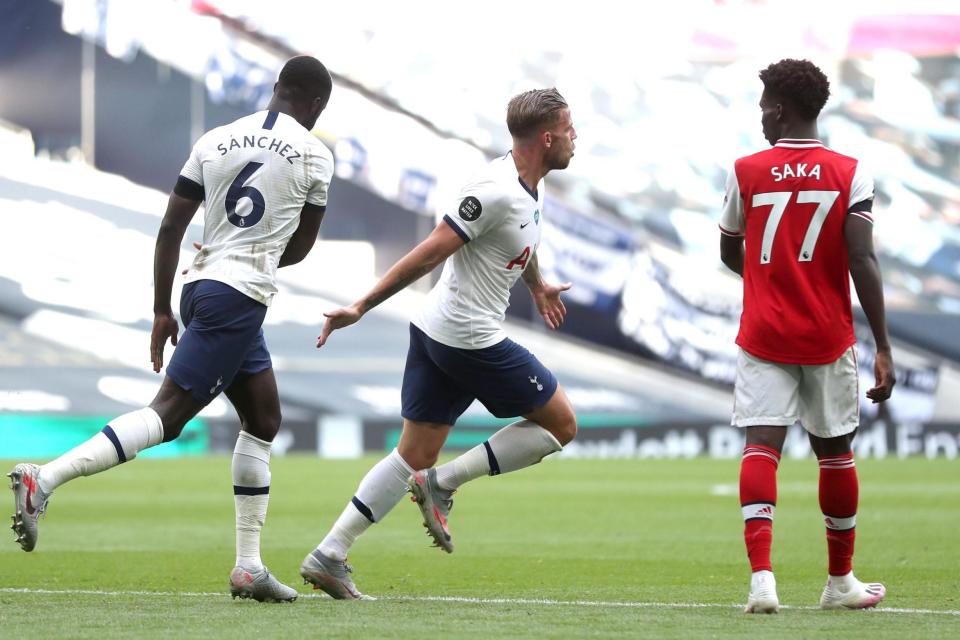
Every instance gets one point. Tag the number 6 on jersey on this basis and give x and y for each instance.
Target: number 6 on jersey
(237, 191)
(779, 200)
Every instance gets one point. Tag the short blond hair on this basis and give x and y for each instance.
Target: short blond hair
(530, 111)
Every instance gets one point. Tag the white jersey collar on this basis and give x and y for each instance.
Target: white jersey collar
(798, 143)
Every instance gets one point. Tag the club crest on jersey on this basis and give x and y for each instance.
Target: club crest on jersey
(470, 209)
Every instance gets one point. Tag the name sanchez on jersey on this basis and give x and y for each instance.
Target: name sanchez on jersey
(798, 170)
(276, 145)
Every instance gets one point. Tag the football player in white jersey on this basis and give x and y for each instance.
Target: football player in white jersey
(264, 179)
(458, 349)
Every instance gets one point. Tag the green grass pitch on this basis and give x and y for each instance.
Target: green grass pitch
(567, 549)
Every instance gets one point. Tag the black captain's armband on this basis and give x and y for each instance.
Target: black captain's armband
(187, 188)
(863, 205)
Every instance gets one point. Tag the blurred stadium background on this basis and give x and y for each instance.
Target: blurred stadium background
(102, 99)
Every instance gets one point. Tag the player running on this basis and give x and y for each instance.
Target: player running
(458, 349)
(264, 179)
(796, 221)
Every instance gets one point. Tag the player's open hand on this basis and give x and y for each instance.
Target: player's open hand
(549, 304)
(164, 326)
(338, 319)
(885, 376)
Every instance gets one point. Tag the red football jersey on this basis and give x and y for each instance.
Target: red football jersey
(790, 203)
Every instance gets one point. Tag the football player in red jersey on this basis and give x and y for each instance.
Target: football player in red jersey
(797, 223)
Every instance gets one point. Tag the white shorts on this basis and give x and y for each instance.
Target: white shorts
(823, 397)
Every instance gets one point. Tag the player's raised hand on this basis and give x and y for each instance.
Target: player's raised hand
(338, 319)
(164, 326)
(549, 304)
(885, 376)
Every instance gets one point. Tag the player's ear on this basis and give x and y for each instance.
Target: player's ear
(547, 138)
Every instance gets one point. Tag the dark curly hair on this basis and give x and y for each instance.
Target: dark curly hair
(304, 78)
(799, 83)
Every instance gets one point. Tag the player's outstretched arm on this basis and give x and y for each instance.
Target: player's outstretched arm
(303, 239)
(545, 295)
(865, 271)
(179, 212)
(442, 242)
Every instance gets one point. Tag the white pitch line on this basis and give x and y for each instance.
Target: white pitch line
(468, 600)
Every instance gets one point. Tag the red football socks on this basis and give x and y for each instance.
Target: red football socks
(839, 492)
(758, 499)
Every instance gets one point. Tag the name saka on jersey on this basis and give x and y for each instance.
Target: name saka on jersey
(256, 173)
(791, 202)
(500, 220)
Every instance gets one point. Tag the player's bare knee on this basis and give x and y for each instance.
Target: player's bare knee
(265, 427)
(172, 430)
(418, 456)
(567, 431)
(172, 423)
(564, 429)
(419, 460)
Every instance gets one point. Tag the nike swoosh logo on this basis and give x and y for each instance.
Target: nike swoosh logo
(524, 224)
(27, 480)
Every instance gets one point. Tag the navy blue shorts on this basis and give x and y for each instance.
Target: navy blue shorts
(223, 339)
(440, 382)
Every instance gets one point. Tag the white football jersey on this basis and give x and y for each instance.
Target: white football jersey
(500, 220)
(257, 172)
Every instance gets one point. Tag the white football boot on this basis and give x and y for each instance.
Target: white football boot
(763, 594)
(332, 576)
(846, 592)
(29, 502)
(435, 504)
(259, 585)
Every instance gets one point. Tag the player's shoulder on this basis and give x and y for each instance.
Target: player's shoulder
(295, 132)
(317, 147)
(491, 179)
(244, 123)
(839, 158)
(759, 158)
(209, 138)
(216, 135)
